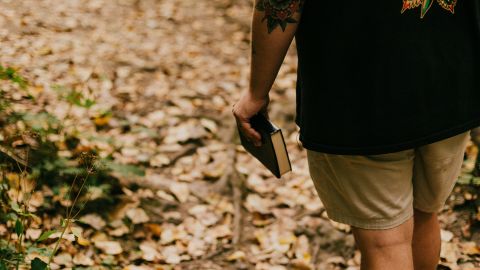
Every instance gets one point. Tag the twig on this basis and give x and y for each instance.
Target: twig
(188, 150)
(229, 139)
(13, 156)
(221, 183)
(234, 178)
(316, 249)
(237, 184)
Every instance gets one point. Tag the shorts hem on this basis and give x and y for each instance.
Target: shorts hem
(371, 224)
(428, 209)
(310, 144)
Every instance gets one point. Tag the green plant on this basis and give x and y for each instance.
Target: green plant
(15, 211)
(30, 158)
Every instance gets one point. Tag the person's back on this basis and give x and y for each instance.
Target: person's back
(374, 80)
(387, 93)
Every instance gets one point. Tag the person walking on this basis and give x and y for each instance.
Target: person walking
(386, 95)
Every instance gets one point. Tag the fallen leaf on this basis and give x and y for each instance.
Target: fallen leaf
(63, 259)
(196, 247)
(137, 215)
(255, 203)
(155, 228)
(109, 247)
(149, 251)
(446, 236)
(93, 220)
(171, 254)
(236, 255)
(180, 190)
(82, 259)
(32, 234)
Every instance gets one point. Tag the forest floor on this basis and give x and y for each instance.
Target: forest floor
(167, 72)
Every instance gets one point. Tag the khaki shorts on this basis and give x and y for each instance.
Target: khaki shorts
(381, 191)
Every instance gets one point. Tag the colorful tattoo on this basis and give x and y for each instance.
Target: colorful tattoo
(426, 4)
(279, 12)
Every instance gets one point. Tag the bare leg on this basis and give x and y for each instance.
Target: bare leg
(426, 241)
(386, 249)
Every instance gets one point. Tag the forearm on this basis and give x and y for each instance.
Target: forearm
(274, 23)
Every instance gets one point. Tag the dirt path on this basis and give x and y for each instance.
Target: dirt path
(169, 71)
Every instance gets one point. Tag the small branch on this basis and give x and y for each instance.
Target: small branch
(13, 156)
(233, 177)
(188, 150)
(237, 184)
(229, 139)
(316, 249)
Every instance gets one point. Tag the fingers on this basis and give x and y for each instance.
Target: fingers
(251, 134)
(242, 115)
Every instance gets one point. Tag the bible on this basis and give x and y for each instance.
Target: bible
(273, 151)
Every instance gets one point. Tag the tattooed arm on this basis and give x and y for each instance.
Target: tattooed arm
(274, 23)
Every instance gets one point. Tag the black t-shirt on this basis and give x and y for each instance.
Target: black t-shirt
(374, 80)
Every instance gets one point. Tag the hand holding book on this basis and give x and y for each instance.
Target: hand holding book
(244, 110)
(260, 137)
(273, 151)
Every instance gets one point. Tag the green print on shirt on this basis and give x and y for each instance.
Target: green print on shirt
(426, 4)
(279, 12)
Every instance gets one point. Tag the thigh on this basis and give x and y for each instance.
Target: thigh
(436, 168)
(370, 192)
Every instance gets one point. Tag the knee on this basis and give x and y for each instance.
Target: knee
(389, 242)
(382, 240)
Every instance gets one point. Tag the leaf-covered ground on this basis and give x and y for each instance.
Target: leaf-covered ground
(164, 75)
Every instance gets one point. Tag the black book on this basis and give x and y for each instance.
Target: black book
(273, 151)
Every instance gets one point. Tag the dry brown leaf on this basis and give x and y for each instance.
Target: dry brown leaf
(93, 220)
(171, 254)
(164, 195)
(109, 247)
(446, 236)
(470, 248)
(237, 255)
(149, 251)
(159, 160)
(180, 190)
(171, 233)
(450, 252)
(119, 228)
(137, 215)
(196, 247)
(301, 249)
(81, 259)
(204, 214)
(155, 228)
(298, 264)
(255, 203)
(63, 259)
(32, 234)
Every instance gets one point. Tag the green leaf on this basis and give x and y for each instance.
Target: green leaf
(18, 227)
(465, 179)
(88, 103)
(11, 216)
(3, 266)
(38, 264)
(42, 251)
(45, 235)
(123, 169)
(15, 206)
(476, 181)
